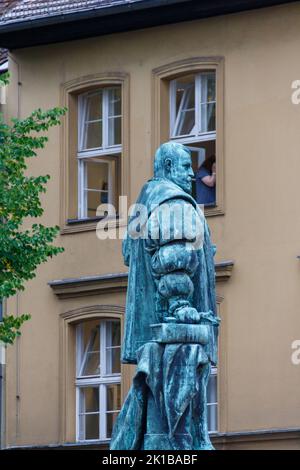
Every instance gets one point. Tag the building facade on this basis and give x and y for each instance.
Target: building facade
(222, 85)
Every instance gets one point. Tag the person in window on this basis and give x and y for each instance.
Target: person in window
(206, 181)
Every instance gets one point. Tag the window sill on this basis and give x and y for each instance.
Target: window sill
(210, 211)
(90, 224)
(86, 220)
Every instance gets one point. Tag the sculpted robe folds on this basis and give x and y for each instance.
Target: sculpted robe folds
(143, 306)
(171, 285)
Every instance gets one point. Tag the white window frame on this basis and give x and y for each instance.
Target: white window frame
(82, 183)
(101, 153)
(214, 373)
(99, 381)
(197, 135)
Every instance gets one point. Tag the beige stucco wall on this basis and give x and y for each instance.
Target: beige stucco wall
(260, 231)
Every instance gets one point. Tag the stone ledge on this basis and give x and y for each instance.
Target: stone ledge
(219, 440)
(117, 282)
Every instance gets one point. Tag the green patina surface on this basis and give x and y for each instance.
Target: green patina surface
(171, 324)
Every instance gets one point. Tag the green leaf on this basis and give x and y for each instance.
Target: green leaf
(22, 251)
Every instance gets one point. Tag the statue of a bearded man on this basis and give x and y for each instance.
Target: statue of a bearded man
(171, 324)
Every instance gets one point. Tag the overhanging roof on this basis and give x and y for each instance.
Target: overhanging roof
(116, 16)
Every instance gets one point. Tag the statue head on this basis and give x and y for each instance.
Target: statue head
(173, 161)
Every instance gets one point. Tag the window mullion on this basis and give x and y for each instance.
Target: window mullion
(78, 430)
(84, 183)
(84, 416)
(204, 99)
(80, 195)
(110, 185)
(172, 107)
(105, 118)
(180, 114)
(102, 410)
(79, 337)
(103, 348)
(81, 120)
(198, 99)
(108, 353)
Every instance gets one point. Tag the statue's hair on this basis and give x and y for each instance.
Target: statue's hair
(168, 150)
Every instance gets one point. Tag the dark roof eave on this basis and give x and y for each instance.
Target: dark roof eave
(120, 18)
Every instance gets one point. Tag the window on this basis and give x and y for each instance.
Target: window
(212, 402)
(193, 123)
(188, 108)
(95, 149)
(98, 378)
(99, 149)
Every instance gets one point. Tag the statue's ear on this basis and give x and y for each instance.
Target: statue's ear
(168, 164)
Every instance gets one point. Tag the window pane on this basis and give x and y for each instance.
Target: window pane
(94, 107)
(92, 364)
(212, 418)
(187, 123)
(114, 131)
(113, 396)
(97, 174)
(208, 117)
(90, 397)
(91, 335)
(113, 362)
(114, 102)
(212, 389)
(92, 426)
(184, 106)
(93, 135)
(113, 333)
(114, 116)
(113, 351)
(212, 407)
(208, 87)
(91, 355)
(185, 93)
(110, 421)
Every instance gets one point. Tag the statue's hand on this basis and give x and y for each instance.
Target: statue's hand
(187, 315)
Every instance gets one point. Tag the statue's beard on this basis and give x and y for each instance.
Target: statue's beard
(186, 186)
(183, 184)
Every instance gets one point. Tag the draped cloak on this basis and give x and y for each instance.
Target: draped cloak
(142, 303)
(170, 379)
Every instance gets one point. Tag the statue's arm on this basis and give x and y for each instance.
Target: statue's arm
(174, 259)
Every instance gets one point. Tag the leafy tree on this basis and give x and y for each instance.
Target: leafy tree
(22, 250)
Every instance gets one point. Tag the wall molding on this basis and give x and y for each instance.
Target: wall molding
(116, 282)
(219, 440)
